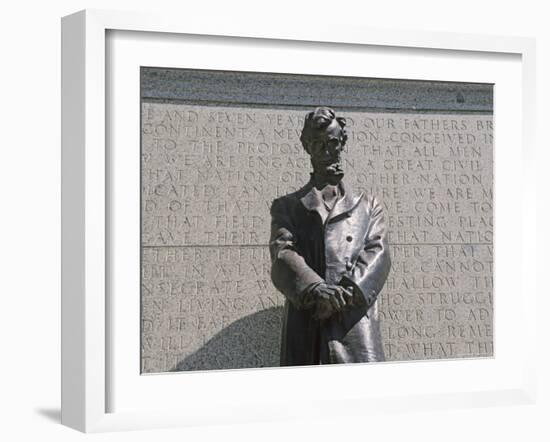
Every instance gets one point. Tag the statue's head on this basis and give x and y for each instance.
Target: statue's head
(323, 137)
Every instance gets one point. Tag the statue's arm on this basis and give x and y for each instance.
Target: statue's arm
(373, 263)
(289, 272)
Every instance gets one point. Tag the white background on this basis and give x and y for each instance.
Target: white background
(30, 217)
(261, 391)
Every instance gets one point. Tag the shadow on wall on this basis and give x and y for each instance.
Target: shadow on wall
(252, 341)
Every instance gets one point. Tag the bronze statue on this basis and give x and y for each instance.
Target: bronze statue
(330, 257)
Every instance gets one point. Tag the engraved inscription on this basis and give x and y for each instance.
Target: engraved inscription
(209, 174)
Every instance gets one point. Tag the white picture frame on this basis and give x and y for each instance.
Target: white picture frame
(88, 232)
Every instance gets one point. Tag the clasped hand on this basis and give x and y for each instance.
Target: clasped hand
(329, 299)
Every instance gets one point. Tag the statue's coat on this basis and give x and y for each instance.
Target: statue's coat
(349, 247)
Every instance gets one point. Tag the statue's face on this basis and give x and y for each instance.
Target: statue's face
(326, 150)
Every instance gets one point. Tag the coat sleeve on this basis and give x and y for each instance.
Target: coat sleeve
(373, 263)
(289, 271)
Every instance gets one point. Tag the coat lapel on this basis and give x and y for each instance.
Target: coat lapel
(313, 201)
(345, 204)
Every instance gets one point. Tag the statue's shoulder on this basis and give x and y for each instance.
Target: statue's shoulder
(283, 203)
(370, 200)
(292, 198)
(372, 204)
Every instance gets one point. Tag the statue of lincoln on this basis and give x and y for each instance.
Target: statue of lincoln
(330, 257)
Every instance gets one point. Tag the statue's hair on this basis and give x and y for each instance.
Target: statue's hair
(319, 119)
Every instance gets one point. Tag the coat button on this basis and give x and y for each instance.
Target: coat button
(349, 238)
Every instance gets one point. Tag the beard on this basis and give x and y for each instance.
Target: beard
(335, 169)
(332, 172)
